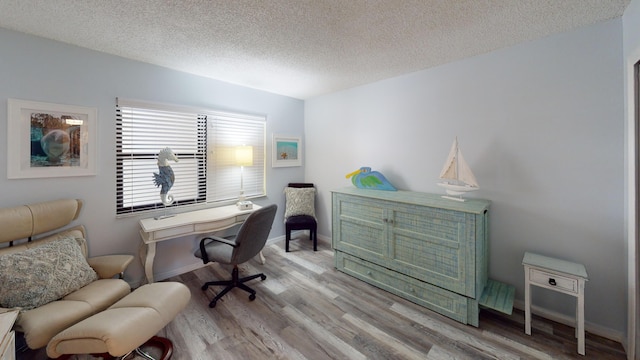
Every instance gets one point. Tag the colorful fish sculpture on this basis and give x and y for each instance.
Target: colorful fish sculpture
(364, 178)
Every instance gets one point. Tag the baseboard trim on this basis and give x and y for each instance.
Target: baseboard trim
(178, 271)
(595, 329)
(196, 265)
(271, 241)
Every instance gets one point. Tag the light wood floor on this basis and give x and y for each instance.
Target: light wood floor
(305, 309)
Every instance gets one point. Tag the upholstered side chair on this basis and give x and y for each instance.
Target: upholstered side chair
(300, 213)
(235, 250)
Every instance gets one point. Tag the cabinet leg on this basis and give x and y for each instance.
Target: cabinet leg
(580, 317)
(527, 303)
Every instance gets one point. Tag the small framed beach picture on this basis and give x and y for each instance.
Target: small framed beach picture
(50, 140)
(286, 150)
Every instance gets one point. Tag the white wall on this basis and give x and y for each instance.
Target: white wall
(631, 45)
(541, 125)
(36, 69)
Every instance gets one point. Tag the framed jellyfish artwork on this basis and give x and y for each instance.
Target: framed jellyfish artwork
(50, 140)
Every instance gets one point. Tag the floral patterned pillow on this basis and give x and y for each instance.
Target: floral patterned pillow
(37, 276)
(299, 201)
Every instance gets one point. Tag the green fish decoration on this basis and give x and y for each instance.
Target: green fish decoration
(364, 178)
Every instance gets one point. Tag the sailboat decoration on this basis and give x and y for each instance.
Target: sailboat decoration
(457, 175)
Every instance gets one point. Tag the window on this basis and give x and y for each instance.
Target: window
(225, 133)
(204, 142)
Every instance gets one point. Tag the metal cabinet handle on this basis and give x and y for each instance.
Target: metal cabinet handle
(552, 282)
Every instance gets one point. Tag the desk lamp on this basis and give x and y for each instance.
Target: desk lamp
(244, 157)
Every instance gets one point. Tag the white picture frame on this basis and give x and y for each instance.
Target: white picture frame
(50, 140)
(286, 151)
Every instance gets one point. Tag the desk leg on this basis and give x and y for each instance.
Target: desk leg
(527, 302)
(150, 250)
(580, 317)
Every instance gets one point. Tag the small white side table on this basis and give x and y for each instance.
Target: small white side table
(558, 275)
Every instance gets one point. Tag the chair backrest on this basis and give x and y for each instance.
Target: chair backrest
(299, 201)
(300, 185)
(253, 234)
(27, 221)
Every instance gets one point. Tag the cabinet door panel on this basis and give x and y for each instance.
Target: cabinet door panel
(360, 208)
(359, 227)
(367, 241)
(434, 245)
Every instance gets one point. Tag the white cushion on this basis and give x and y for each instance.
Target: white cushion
(299, 201)
(42, 274)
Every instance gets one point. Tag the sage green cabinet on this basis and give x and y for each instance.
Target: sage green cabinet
(426, 249)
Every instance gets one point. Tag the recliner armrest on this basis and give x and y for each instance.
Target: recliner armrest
(107, 266)
(6, 310)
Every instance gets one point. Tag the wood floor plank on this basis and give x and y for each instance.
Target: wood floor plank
(530, 352)
(397, 348)
(452, 331)
(306, 309)
(336, 346)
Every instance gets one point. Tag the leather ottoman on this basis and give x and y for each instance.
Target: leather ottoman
(125, 325)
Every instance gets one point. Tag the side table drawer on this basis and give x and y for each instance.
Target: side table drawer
(549, 280)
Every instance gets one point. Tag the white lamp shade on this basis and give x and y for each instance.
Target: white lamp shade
(244, 155)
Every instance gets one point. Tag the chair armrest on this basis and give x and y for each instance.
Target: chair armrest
(227, 241)
(205, 257)
(107, 266)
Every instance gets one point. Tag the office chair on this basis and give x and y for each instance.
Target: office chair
(300, 211)
(251, 238)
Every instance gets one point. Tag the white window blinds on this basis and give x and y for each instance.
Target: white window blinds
(226, 132)
(203, 141)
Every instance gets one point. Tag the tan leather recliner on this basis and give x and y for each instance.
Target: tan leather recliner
(38, 223)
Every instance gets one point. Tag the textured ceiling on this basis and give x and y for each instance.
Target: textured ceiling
(300, 48)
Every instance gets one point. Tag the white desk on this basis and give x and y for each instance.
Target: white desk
(558, 275)
(203, 221)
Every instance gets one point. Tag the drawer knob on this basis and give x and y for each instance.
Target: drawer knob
(552, 282)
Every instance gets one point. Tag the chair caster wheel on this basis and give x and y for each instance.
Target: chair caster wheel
(252, 297)
(212, 304)
(204, 287)
(263, 277)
